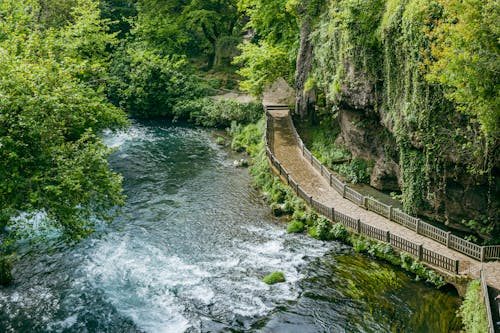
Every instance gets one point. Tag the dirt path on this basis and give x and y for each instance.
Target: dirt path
(310, 180)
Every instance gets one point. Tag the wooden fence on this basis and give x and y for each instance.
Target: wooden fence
(486, 299)
(481, 253)
(417, 250)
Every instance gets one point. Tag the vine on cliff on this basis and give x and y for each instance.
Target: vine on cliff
(389, 48)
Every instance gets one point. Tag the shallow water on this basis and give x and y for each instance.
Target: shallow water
(188, 255)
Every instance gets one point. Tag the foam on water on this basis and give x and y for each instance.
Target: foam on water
(188, 254)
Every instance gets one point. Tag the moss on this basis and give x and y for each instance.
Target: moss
(295, 227)
(273, 278)
(473, 310)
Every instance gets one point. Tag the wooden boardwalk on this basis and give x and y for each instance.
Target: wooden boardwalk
(288, 153)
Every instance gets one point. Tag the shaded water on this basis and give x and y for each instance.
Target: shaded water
(188, 255)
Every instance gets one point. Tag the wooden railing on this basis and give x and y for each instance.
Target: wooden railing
(486, 299)
(481, 253)
(417, 250)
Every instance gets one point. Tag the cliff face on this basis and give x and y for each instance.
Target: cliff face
(368, 60)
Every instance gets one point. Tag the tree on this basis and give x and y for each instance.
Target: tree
(188, 27)
(272, 51)
(51, 156)
(466, 49)
(215, 19)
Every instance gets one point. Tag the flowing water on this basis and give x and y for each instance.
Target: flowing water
(188, 255)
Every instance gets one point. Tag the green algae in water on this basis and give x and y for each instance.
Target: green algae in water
(389, 295)
(273, 278)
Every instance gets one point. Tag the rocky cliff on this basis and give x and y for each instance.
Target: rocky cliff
(369, 61)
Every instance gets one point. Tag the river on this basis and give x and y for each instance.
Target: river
(189, 252)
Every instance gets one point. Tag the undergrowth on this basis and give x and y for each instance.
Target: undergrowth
(473, 310)
(321, 142)
(210, 112)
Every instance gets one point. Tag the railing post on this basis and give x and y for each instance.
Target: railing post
(343, 190)
(358, 226)
(417, 226)
(390, 213)
(331, 180)
(482, 253)
(420, 252)
(311, 200)
(365, 202)
(448, 234)
(388, 237)
(297, 189)
(333, 214)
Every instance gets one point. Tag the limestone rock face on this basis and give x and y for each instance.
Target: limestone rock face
(366, 130)
(386, 176)
(305, 99)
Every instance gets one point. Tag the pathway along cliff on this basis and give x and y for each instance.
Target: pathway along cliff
(189, 253)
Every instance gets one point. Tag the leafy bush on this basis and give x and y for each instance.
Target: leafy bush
(473, 310)
(357, 170)
(147, 84)
(211, 112)
(295, 227)
(249, 138)
(273, 278)
(339, 232)
(321, 229)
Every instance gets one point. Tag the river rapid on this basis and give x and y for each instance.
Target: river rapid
(189, 252)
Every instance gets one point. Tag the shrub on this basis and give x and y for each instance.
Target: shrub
(473, 310)
(321, 229)
(273, 278)
(339, 232)
(295, 227)
(220, 113)
(356, 171)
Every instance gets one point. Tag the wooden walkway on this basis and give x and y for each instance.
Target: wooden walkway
(288, 153)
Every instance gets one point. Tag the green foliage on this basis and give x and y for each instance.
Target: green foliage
(51, 112)
(346, 35)
(272, 52)
(217, 112)
(190, 28)
(339, 232)
(473, 310)
(148, 84)
(248, 138)
(295, 227)
(261, 65)
(466, 49)
(357, 170)
(411, 54)
(273, 278)
(321, 229)
(273, 21)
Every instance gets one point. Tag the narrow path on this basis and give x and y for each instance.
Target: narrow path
(286, 150)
